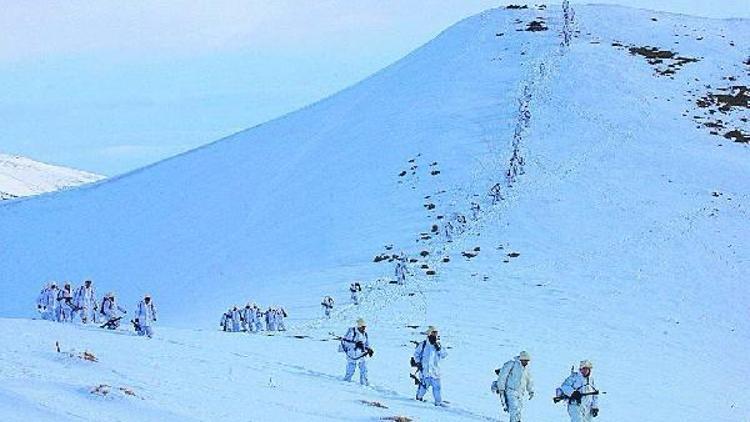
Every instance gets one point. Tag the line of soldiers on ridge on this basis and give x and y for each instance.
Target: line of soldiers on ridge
(514, 382)
(66, 304)
(252, 319)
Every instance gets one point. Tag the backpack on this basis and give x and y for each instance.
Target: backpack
(345, 339)
(413, 362)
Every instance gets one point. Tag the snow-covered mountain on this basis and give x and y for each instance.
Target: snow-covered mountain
(611, 178)
(21, 176)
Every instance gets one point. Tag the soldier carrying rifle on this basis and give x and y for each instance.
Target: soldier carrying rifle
(581, 393)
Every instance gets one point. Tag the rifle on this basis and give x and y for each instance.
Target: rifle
(136, 325)
(112, 323)
(562, 397)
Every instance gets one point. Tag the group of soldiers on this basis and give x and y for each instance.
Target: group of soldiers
(66, 304)
(252, 319)
(513, 384)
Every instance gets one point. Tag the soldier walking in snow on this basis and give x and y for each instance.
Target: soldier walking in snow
(496, 193)
(280, 315)
(258, 318)
(448, 231)
(65, 304)
(270, 319)
(475, 211)
(513, 381)
(46, 303)
(581, 393)
(235, 318)
(248, 318)
(110, 310)
(355, 289)
(427, 357)
(327, 304)
(356, 345)
(145, 316)
(400, 272)
(84, 300)
(226, 319)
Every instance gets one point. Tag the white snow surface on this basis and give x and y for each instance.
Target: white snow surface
(631, 224)
(21, 176)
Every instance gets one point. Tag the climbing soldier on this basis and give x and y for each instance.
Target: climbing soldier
(513, 382)
(581, 393)
(356, 345)
(427, 357)
(327, 304)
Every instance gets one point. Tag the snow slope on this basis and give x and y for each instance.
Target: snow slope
(21, 176)
(621, 236)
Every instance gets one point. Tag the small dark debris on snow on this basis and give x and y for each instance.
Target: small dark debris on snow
(397, 418)
(435, 172)
(424, 267)
(446, 259)
(738, 136)
(516, 7)
(429, 206)
(536, 26)
(434, 228)
(430, 272)
(381, 257)
(413, 260)
(499, 34)
(739, 96)
(654, 19)
(402, 174)
(477, 249)
(657, 57)
(424, 254)
(652, 52)
(514, 255)
(374, 404)
(414, 327)
(469, 254)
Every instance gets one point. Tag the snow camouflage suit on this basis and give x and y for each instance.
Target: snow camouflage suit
(85, 300)
(65, 304)
(355, 289)
(235, 317)
(249, 315)
(111, 310)
(47, 302)
(577, 382)
(327, 304)
(428, 357)
(513, 381)
(400, 272)
(355, 356)
(146, 315)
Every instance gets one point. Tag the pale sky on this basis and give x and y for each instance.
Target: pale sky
(110, 86)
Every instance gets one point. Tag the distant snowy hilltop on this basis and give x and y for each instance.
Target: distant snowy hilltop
(21, 176)
(573, 183)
